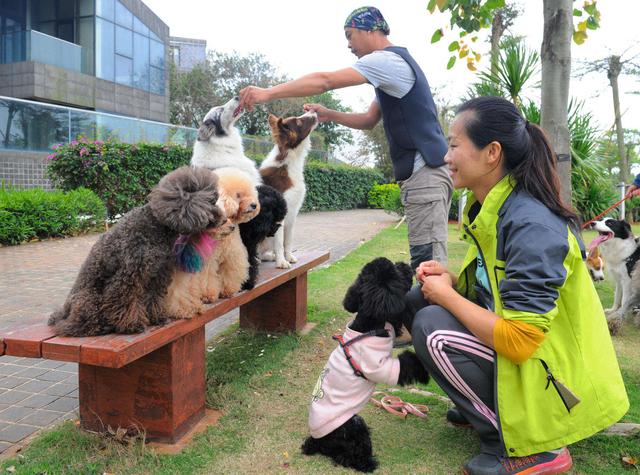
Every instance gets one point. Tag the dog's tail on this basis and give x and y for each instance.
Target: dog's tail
(185, 200)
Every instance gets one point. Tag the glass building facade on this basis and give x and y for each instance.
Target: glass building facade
(102, 38)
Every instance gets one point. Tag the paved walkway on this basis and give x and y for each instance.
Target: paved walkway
(35, 279)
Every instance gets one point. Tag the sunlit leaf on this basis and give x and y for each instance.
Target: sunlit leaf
(582, 26)
(592, 23)
(431, 6)
(493, 4)
(478, 56)
(579, 37)
(590, 8)
(577, 12)
(463, 52)
(437, 35)
(471, 66)
(454, 45)
(452, 61)
(441, 4)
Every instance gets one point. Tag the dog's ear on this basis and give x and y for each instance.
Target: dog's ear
(274, 121)
(351, 302)
(205, 131)
(405, 273)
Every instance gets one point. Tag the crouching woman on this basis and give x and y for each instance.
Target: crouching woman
(518, 340)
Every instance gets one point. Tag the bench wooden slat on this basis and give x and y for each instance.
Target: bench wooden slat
(37, 340)
(27, 340)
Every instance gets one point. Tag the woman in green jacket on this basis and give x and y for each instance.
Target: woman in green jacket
(518, 340)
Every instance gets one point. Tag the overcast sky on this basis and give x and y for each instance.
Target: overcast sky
(300, 37)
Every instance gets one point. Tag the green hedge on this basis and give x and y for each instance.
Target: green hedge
(333, 187)
(122, 175)
(29, 214)
(387, 197)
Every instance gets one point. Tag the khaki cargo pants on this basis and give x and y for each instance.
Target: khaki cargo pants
(426, 197)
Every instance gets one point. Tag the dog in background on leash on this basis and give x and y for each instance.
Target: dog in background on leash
(595, 264)
(621, 251)
(362, 359)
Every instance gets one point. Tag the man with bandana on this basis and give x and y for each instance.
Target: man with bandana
(404, 102)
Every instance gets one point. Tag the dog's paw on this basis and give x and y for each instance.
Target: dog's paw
(283, 264)
(411, 369)
(615, 324)
(291, 258)
(268, 256)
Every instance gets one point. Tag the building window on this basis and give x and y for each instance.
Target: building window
(105, 49)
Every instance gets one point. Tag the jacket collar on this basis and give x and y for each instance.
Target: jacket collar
(491, 207)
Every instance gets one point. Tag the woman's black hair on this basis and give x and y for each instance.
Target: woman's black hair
(528, 156)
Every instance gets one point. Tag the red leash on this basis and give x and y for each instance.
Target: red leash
(614, 205)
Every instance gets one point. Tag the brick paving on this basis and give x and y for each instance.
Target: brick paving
(35, 279)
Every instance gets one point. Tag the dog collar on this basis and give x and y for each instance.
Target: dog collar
(347, 352)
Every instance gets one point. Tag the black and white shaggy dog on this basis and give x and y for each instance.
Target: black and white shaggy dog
(621, 252)
(273, 209)
(219, 142)
(362, 359)
(121, 285)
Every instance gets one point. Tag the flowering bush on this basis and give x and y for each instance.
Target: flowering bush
(120, 174)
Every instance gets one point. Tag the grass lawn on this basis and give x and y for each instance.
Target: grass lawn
(262, 383)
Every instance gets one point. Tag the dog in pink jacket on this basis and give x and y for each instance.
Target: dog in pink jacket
(362, 359)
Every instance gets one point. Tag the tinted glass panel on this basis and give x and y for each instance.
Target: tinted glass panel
(105, 49)
(124, 70)
(32, 126)
(140, 27)
(105, 9)
(157, 54)
(124, 41)
(123, 16)
(157, 81)
(85, 39)
(141, 61)
(85, 7)
(66, 9)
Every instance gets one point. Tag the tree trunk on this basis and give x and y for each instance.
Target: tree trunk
(556, 70)
(612, 73)
(497, 29)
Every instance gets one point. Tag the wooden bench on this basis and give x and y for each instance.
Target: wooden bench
(156, 380)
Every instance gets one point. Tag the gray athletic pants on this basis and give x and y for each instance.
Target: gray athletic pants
(461, 364)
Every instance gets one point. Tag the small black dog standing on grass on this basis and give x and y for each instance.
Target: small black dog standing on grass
(362, 359)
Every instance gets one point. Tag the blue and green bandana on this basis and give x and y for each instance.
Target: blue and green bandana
(367, 18)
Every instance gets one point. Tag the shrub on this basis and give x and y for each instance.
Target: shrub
(332, 187)
(28, 214)
(120, 174)
(386, 197)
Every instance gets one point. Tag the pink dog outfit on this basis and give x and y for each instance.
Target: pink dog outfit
(340, 393)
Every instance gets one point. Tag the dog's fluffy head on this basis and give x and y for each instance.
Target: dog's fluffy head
(238, 195)
(185, 200)
(288, 133)
(378, 294)
(219, 120)
(609, 229)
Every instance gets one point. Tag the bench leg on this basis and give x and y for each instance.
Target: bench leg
(162, 393)
(282, 308)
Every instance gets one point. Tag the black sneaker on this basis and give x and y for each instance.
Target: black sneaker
(455, 417)
(544, 463)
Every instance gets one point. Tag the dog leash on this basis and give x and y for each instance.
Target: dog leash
(347, 352)
(614, 205)
(397, 406)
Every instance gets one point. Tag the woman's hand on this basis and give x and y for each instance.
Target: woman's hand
(252, 95)
(429, 268)
(438, 288)
(320, 110)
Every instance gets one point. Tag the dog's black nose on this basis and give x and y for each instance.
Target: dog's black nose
(236, 98)
(254, 206)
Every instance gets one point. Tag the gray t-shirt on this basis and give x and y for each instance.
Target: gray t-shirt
(390, 73)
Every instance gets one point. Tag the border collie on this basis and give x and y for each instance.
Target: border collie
(283, 170)
(621, 252)
(219, 142)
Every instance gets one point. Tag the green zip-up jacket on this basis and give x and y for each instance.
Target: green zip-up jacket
(537, 274)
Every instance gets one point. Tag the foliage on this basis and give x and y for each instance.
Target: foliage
(471, 16)
(35, 213)
(373, 144)
(387, 197)
(331, 187)
(454, 211)
(120, 174)
(515, 66)
(223, 75)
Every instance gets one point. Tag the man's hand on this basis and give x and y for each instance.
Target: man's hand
(252, 95)
(429, 268)
(437, 288)
(322, 111)
(633, 191)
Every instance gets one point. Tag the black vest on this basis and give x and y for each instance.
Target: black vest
(411, 123)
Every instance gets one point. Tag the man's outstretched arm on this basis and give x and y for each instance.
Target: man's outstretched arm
(309, 85)
(363, 121)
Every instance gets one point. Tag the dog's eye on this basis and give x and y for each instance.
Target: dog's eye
(238, 195)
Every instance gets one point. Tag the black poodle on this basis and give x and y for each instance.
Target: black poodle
(121, 285)
(273, 209)
(362, 359)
